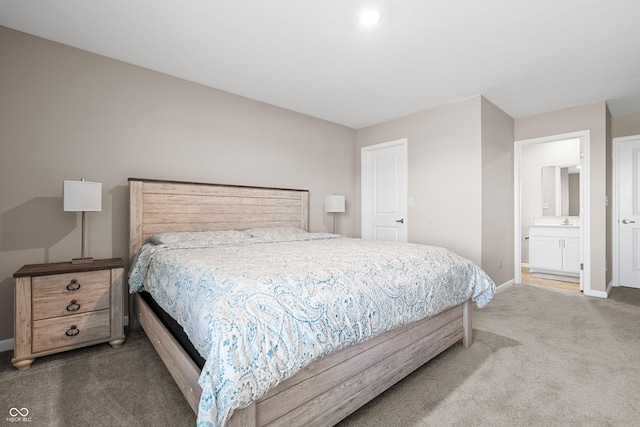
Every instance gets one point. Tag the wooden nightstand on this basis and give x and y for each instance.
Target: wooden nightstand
(62, 306)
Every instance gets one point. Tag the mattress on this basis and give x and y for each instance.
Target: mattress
(174, 328)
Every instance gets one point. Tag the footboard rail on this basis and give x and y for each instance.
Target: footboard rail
(182, 368)
(330, 389)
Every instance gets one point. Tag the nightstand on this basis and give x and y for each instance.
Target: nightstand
(63, 306)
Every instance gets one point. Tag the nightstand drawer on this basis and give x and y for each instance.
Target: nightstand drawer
(70, 331)
(69, 294)
(70, 283)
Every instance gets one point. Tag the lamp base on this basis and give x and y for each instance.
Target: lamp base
(82, 261)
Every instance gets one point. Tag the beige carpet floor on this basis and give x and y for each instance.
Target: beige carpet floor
(541, 357)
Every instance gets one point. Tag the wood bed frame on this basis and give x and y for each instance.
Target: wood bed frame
(327, 390)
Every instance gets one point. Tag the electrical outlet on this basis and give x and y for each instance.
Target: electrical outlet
(499, 262)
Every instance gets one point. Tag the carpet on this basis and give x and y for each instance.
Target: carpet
(95, 386)
(540, 357)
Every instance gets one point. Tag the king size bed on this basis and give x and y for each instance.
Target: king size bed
(262, 323)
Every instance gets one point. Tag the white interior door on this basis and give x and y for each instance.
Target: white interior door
(384, 191)
(628, 199)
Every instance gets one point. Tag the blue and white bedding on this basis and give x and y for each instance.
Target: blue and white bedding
(261, 304)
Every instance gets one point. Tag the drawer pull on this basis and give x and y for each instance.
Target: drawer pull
(73, 285)
(74, 306)
(72, 331)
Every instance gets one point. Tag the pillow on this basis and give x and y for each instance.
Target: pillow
(274, 231)
(220, 236)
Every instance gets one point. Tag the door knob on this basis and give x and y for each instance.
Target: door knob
(401, 221)
(628, 221)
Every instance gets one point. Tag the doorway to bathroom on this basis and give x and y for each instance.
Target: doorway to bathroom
(551, 222)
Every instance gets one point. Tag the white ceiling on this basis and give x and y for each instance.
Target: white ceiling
(312, 56)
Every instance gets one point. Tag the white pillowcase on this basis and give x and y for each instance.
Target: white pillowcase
(193, 236)
(274, 231)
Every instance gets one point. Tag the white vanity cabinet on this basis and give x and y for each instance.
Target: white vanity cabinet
(554, 249)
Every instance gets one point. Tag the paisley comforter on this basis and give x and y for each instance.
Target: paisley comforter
(261, 304)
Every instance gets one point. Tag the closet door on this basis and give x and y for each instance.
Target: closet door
(628, 221)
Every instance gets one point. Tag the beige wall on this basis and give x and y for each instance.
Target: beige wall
(594, 118)
(444, 176)
(461, 178)
(497, 193)
(69, 114)
(625, 125)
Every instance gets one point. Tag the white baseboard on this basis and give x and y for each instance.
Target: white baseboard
(505, 285)
(601, 294)
(6, 345)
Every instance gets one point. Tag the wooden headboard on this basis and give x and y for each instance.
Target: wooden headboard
(167, 206)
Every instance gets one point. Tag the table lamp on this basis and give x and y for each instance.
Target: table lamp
(333, 204)
(82, 196)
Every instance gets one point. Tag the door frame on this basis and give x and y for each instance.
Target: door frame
(585, 203)
(365, 190)
(615, 209)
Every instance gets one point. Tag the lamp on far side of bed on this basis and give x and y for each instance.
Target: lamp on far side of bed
(333, 204)
(82, 196)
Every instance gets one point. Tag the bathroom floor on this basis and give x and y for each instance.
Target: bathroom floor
(526, 278)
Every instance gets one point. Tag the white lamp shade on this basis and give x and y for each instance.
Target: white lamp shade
(82, 196)
(334, 203)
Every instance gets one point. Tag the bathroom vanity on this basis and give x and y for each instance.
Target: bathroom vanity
(554, 249)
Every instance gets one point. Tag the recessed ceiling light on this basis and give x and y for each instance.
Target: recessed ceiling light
(369, 16)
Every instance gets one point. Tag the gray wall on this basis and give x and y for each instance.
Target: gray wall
(69, 114)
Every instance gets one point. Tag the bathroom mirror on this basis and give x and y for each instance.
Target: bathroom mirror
(561, 190)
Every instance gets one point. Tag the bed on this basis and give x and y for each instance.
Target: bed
(340, 371)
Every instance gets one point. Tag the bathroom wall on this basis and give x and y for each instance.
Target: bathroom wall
(533, 158)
